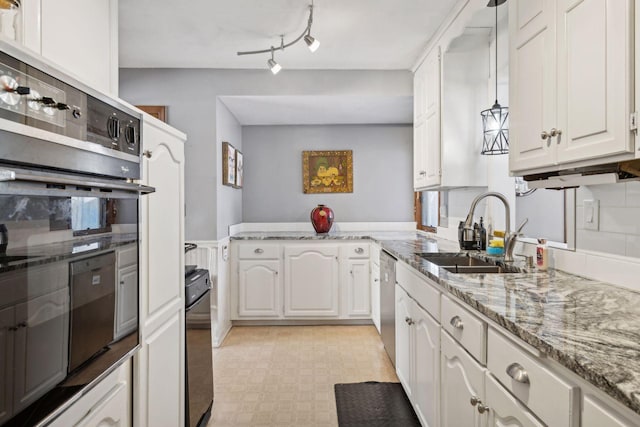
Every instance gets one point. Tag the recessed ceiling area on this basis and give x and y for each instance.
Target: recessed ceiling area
(354, 34)
(320, 110)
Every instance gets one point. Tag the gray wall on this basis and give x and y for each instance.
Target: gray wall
(229, 206)
(190, 95)
(382, 164)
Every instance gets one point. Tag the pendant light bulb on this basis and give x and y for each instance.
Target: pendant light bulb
(312, 43)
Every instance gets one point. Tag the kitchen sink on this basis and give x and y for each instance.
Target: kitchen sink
(462, 263)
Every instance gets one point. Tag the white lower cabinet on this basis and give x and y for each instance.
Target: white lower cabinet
(358, 287)
(418, 357)
(108, 404)
(462, 380)
(259, 288)
(506, 410)
(375, 295)
(311, 281)
(597, 414)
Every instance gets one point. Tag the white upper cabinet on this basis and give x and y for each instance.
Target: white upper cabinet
(451, 88)
(427, 122)
(80, 36)
(571, 84)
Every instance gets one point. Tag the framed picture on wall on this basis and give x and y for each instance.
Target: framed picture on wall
(327, 171)
(228, 164)
(239, 170)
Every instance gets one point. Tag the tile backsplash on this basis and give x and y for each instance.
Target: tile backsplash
(619, 225)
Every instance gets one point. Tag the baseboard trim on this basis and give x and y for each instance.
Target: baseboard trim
(302, 322)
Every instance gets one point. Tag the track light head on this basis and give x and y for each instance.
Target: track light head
(274, 66)
(312, 43)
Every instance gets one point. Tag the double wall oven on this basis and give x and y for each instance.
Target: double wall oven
(69, 212)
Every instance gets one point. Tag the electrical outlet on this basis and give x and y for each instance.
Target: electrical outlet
(591, 215)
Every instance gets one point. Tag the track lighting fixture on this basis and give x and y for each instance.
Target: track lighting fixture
(312, 43)
(273, 65)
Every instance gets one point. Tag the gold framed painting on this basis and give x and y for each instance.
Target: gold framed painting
(228, 164)
(327, 171)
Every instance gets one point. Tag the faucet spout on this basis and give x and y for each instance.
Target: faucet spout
(468, 223)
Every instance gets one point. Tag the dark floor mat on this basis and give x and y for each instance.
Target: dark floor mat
(374, 404)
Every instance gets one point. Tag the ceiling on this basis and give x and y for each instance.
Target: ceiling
(354, 34)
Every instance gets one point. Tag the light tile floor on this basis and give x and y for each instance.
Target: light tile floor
(284, 375)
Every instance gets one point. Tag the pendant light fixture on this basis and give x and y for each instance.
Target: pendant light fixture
(312, 43)
(495, 124)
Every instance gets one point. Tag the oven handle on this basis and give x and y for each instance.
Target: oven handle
(11, 175)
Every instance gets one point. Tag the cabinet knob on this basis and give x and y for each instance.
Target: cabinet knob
(456, 322)
(517, 372)
(122, 283)
(147, 153)
(258, 250)
(482, 408)
(544, 135)
(423, 173)
(555, 132)
(474, 400)
(409, 320)
(359, 250)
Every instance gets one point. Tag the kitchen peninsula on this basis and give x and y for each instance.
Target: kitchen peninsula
(579, 332)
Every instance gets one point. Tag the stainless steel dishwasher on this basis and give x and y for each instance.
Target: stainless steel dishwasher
(388, 303)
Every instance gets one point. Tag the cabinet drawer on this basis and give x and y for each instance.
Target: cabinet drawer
(533, 384)
(127, 256)
(419, 289)
(258, 251)
(466, 328)
(353, 250)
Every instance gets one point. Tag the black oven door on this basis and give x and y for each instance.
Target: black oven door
(59, 240)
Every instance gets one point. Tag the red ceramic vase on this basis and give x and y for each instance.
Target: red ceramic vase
(322, 219)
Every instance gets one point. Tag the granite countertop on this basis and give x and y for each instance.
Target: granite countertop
(588, 326)
(44, 254)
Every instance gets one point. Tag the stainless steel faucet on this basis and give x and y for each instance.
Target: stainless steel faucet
(509, 239)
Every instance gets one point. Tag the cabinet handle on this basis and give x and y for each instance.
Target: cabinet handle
(456, 322)
(555, 132)
(482, 408)
(147, 153)
(258, 251)
(18, 326)
(409, 320)
(474, 400)
(359, 250)
(376, 280)
(518, 373)
(544, 135)
(423, 173)
(122, 283)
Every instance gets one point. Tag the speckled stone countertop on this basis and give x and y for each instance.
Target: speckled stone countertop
(588, 326)
(67, 250)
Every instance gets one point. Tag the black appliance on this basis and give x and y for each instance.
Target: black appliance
(67, 204)
(92, 314)
(198, 350)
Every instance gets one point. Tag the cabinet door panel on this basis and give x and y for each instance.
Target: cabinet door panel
(311, 281)
(7, 320)
(259, 288)
(358, 288)
(40, 351)
(426, 367)
(505, 410)
(596, 414)
(375, 295)
(164, 225)
(403, 339)
(432, 132)
(164, 378)
(127, 297)
(532, 88)
(111, 412)
(594, 72)
(462, 378)
(419, 154)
